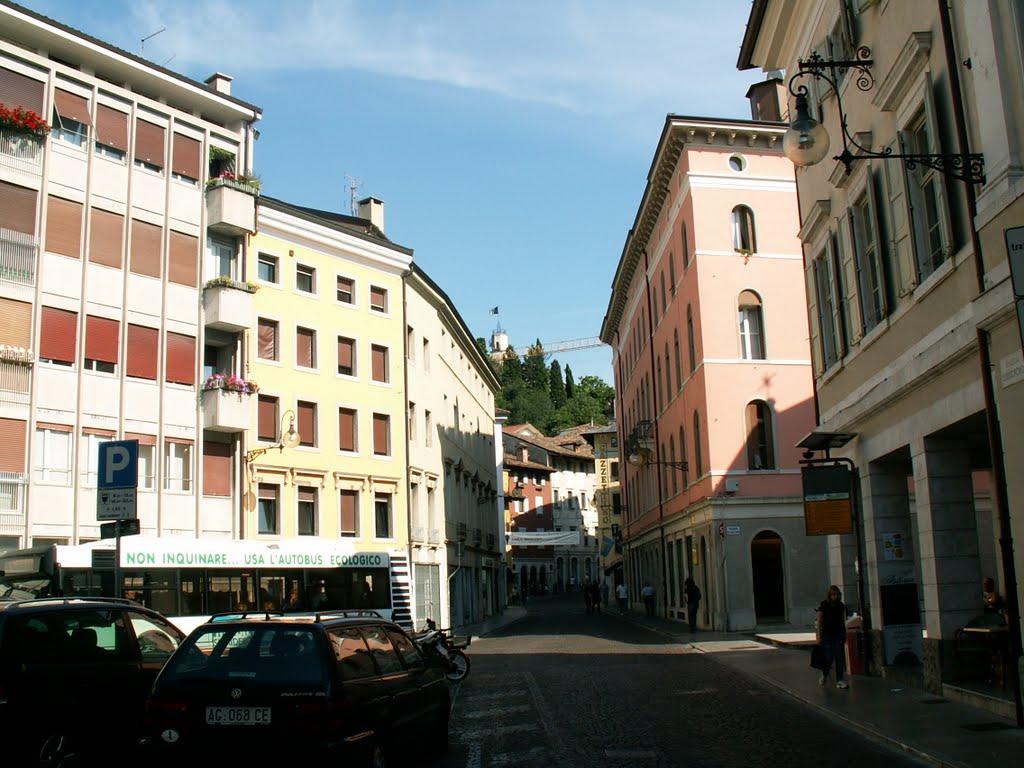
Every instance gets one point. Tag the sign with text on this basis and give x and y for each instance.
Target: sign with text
(117, 479)
(828, 507)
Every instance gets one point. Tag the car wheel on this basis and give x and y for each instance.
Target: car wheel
(56, 752)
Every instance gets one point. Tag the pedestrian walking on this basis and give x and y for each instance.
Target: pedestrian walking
(595, 596)
(603, 592)
(588, 596)
(647, 593)
(830, 632)
(622, 597)
(691, 592)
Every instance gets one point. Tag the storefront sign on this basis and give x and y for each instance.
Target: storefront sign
(828, 507)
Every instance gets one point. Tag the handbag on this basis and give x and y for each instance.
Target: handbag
(818, 660)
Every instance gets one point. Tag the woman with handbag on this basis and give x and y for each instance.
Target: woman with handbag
(830, 631)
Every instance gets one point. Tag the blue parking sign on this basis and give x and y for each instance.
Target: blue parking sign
(118, 464)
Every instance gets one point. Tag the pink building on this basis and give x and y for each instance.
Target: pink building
(708, 324)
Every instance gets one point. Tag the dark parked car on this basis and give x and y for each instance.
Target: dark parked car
(74, 676)
(332, 684)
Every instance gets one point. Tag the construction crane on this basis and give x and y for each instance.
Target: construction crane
(572, 345)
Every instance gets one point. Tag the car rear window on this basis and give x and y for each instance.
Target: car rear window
(265, 654)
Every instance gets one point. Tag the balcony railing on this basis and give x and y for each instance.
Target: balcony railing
(18, 253)
(12, 492)
(15, 382)
(21, 152)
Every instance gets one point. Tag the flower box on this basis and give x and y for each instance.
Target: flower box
(226, 411)
(228, 308)
(230, 209)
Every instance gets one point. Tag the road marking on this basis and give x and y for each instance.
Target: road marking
(696, 692)
(496, 712)
(631, 754)
(477, 734)
(518, 758)
(561, 753)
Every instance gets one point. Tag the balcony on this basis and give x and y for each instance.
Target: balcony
(231, 207)
(15, 375)
(228, 304)
(18, 256)
(21, 153)
(13, 489)
(226, 411)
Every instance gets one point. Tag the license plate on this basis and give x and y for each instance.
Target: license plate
(238, 715)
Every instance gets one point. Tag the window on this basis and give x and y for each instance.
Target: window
(826, 300)
(428, 428)
(412, 422)
(382, 515)
(690, 339)
(614, 469)
(89, 456)
(557, 499)
(266, 343)
(381, 434)
(147, 465)
(672, 271)
(426, 355)
(266, 418)
(71, 119)
(149, 145)
(760, 452)
(180, 359)
(737, 163)
(659, 385)
(672, 460)
(410, 342)
(70, 131)
(378, 299)
(686, 248)
(267, 504)
(177, 466)
(346, 356)
(870, 280)
(53, 455)
(266, 268)
(217, 465)
(348, 503)
(186, 165)
(307, 425)
(305, 278)
(743, 229)
(379, 360)
(750, 322)
(664, 296)
(927, 198)
(220, 259)
(307, 511)
(347, 429)
(697, 451)
(678, 365)
(305, 347)
(346, 290)
(111, 133)
(58, 336)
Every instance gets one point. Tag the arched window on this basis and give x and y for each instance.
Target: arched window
(672, 272)
(672, 460)
(689, 339)
(686, 248)
(664, 298)
(682, 456)
(679, 367)
(743, 238)
(760, 445)
(668, 376)
(697, 453)
(751, 326)
(659, 395)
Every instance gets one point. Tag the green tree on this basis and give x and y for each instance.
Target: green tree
(570, 385)
(535, 370)
(557, 385)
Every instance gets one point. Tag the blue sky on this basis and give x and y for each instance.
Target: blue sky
(509, 141)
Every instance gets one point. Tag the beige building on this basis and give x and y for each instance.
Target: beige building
(914, 335)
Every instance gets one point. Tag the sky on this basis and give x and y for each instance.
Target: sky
(509, 141)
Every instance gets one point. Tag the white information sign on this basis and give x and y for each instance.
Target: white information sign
(115, 503)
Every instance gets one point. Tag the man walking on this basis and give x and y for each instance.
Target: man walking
(622, 596)
(647, 593)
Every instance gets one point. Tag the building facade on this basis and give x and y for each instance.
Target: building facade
(604, 442)
(713, 389)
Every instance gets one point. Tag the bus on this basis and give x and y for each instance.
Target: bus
(188, 580)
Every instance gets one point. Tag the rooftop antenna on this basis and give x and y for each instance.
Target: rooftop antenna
(142, 42)
(353, 186)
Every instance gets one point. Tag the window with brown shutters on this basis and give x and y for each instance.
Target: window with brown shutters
(183, 262)
(307, 424)
(216, 468)
(12, 445)
(149, 144)
(15, 322)
(307, 523)
(18, 208)
(346, 429)
(267, 339)
(381, 435)
(185, 157)
(141, 357)
(63, 227)
(20, 90)
(305, 347)
(58, 336)
(379, 358)
(105, 238)
(144, 255)
(378, 298)
(180, 365)
(266, 419)
(346, 356)
(101, 344)
(71, 118)
(346, 290)
(349, 508)
(112, 128)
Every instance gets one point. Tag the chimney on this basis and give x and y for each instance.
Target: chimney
(220, 82)
(768, 99)
(373, 209)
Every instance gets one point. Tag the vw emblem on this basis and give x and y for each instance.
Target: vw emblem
(236, 693)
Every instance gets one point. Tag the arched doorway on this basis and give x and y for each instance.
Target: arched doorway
(766, 572)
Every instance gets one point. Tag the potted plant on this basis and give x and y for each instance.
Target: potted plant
(23, 121)
(227, 282)
(230, 383)
(244, 182)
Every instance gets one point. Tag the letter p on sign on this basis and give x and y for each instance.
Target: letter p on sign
(118, 464)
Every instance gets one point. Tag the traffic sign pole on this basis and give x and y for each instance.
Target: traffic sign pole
(117, 483)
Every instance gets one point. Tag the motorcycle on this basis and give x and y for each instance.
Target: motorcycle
(443, 650)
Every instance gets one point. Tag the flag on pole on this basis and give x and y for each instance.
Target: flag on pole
(494, 311)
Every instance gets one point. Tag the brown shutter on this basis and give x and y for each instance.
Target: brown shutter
(145, 249)
(112, 128)
(149, 143)
(307, 423)
(58, 335)
(345, 354)
(378, 298)
(17, 208)
(101, 337)
(379, 357)
(348, 511)
(185, 159)
(98, 431)
(17, 90)
(266, 418)
(64, 227)
(267, 332)
(143, 439)
(307, 494)
(304, 347)
(346, 429)
(183, 267)
(143, 348)
(15, 323)
(268, 491)
(216, 469)
(72, 106)
(381, 428)
(12, 445)
(105, 238)
(181, 359)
